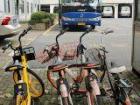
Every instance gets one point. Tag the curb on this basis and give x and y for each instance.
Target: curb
(49, 29)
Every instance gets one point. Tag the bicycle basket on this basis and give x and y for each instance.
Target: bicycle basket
(47, 54)
(30, 53)
(68, 51)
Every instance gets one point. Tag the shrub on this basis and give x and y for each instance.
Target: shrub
(42, 17)
(38, 16)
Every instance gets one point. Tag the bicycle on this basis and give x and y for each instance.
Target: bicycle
(88, 71)
(62, 85)
(28, 84)
(121, 87)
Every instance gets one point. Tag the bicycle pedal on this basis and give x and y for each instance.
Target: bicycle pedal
(103, 92)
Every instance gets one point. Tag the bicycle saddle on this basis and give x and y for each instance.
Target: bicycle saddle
(117, 70)
(86, 65)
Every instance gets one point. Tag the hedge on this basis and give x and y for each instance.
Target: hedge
(42, 17)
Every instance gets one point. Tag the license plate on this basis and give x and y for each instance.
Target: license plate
(81, 24)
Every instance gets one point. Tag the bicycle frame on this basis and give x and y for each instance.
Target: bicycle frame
(91, 81)
(120, 95)
(25, 80)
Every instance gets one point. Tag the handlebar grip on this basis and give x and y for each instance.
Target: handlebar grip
(26, 31)
(6, 47)
(29, 28)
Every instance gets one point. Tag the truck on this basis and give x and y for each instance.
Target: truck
(80, 13)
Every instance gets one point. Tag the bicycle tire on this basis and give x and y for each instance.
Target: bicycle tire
(65, 101)
(15, 101)
(96, 100)
(37, 78)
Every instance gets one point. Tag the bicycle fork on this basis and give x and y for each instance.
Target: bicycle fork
(63, 89)
(93, 88)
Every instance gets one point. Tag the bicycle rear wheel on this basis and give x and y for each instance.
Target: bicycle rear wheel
(36, 85)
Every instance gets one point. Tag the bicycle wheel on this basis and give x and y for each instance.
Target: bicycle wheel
(36, 85)
(18, 99)
(95, 100)
(127, 101)
(65, 101)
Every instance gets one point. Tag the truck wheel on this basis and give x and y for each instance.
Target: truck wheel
(93, 27)
(64, 27)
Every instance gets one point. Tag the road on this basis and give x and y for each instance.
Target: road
(118, 44)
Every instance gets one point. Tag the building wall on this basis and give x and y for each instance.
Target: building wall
(26, 8)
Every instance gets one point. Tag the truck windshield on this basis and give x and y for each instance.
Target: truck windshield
(77, 9)
(80, 5)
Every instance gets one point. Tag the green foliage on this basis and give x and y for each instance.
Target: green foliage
(42, 17)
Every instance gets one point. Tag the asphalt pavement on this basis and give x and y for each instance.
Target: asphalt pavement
(118, 44)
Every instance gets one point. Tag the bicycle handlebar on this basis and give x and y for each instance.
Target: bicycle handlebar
(19, 39)
(86, 32)
(25, 31)
(4, 48)
(61, 33)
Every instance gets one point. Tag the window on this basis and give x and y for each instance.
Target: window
(31, 8)
(22, 6)
(108, 12)
(45, 8)
(7, 6)
(28, 10)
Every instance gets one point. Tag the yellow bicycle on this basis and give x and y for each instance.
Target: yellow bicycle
(28, 84)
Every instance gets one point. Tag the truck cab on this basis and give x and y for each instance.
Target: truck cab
(80, 14)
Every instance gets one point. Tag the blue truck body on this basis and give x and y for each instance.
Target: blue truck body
(80, 15)
(81, 18)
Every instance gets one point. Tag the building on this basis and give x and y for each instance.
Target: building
(116, 4)
(49, 5)
(26, 8)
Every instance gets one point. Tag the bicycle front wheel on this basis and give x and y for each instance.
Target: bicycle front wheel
(65, 101)
(94, 100)
(36, 85)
